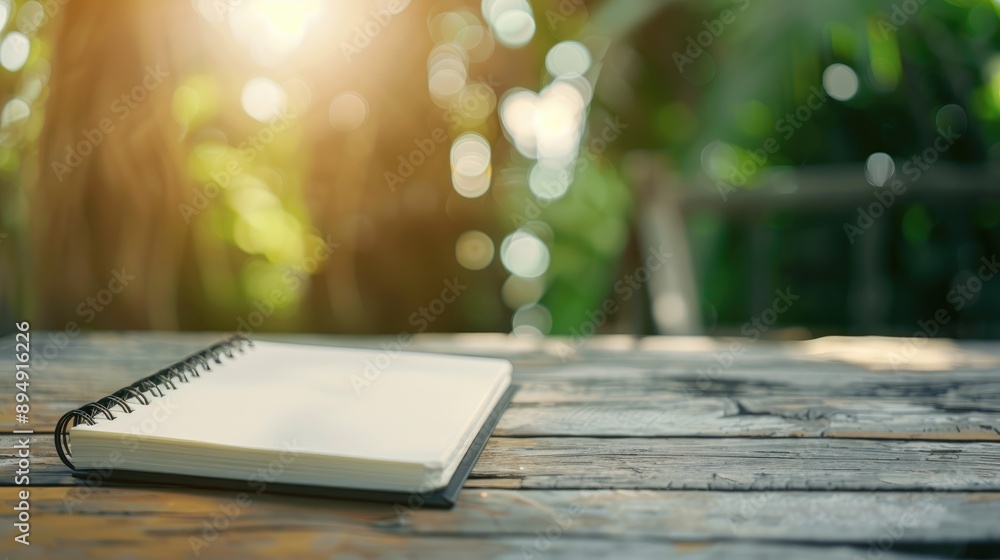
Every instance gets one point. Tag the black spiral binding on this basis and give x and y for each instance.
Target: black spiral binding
(153, 384)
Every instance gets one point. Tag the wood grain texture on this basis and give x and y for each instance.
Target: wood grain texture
(662, 398)
(116, 522)
(842, 417)
(739, 464)
(614, 447)
(133, 539)
(943, 417)
(682, 463)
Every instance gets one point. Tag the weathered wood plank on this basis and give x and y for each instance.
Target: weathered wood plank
(829, 517)
(580, 413)
(677, 415)
(596, 356)
(835, 517)
(739, 464)
(600, 400)
(685, 463)
(113, 523)
(746, 490)
(827, 354)
(666, 353)
(979, 390)
(45, 466)
(131, 539)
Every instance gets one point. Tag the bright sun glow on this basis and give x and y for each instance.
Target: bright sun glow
(545, 126)
(269, 29)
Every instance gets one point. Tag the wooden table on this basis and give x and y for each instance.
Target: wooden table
(617, 447)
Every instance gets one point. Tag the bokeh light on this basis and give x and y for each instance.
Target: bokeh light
(14, 50)
(348, 111)
(476, 103)
(547, 183)
(532, 320)
(568, 59)
(471, 169)
(447, 72)
(719, 160)
(30, 16)
(464, 30)
(558, 124)
(840, 82)
(269, 30)
(879, 168)
(511, 21)
(4, 12)
(263, 99)
(480, 135)
(518, 291)
(474, 250)
(951, 118)
(547, 126)
(14, 111)
(524, 254)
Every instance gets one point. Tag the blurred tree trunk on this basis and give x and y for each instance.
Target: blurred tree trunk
(106, 203)
(111, 169)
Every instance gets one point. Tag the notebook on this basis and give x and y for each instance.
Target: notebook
(290, 418)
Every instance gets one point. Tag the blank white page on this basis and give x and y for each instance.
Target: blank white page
(414, 408)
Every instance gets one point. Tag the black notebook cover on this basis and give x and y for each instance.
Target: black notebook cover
(439, 498)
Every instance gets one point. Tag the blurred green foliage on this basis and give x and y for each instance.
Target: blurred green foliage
(273, 204)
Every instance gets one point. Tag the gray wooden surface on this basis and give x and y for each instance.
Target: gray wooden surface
(616, 447)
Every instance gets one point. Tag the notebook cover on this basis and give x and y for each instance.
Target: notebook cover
(442, 498)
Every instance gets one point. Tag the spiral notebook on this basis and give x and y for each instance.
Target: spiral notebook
(255, 416)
